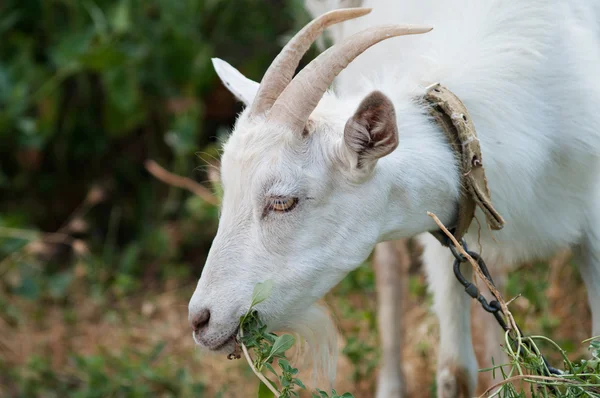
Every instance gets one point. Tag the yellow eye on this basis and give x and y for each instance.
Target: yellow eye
(283, 204)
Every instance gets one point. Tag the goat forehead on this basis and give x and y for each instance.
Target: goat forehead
(262, 155)
(250, 150)
(252, 171)
(250, 137)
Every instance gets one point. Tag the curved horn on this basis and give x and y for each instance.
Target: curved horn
(302, 95)
(282, 69)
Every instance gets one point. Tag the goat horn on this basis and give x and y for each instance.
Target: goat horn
(301, 96)
(282, 69)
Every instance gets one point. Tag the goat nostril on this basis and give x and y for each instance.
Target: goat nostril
(200, 320)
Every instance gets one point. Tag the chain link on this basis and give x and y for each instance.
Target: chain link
(493, 307)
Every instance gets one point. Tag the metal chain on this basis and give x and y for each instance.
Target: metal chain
(493, 307)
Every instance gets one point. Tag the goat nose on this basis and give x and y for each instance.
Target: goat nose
(200, 320)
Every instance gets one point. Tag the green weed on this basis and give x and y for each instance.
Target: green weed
(527, 370)
(129, 374)
(268, 348)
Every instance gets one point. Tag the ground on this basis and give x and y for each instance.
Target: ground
(101, 344)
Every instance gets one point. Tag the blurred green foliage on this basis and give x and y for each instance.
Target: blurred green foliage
(130, 374)
(90, 89)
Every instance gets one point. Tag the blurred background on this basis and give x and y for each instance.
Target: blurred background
(103, 104)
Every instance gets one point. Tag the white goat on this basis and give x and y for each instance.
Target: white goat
(314, 179)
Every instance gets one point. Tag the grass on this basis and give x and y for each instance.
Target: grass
(128, 374)
(527, 371)
(269, 348)
(74, 332)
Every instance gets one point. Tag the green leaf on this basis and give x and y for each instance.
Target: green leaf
(29, 288)
(9, 20)
(59, 283)
(156, 351)
(285, 365)
(66, 53)
(321, 394)
(121, 19)
(595, 348)
(261, 292)
(300, 384)
(264, 391)
(281, 345)
(129, 258)
(270, 367)
(102, 57)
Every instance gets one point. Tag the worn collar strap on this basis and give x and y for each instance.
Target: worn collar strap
(452, 116)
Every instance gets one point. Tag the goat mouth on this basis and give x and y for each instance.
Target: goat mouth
(229, 341)
(226, 342)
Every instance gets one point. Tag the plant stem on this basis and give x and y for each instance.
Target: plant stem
(256, 372)
(492, 288)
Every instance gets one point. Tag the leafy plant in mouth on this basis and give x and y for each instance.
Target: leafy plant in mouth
(268, 348)
(579, 379)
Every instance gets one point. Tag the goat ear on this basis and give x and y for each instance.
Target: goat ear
(371, 132)
(243, 88)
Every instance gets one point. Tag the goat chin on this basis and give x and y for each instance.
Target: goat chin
(316, 334)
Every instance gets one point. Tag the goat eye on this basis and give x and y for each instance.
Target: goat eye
(283, 204)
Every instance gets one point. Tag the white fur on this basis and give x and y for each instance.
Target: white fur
(527, 71)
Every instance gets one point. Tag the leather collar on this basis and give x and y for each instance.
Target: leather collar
(451, 115)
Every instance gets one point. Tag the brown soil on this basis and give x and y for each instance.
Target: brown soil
(92, 327)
